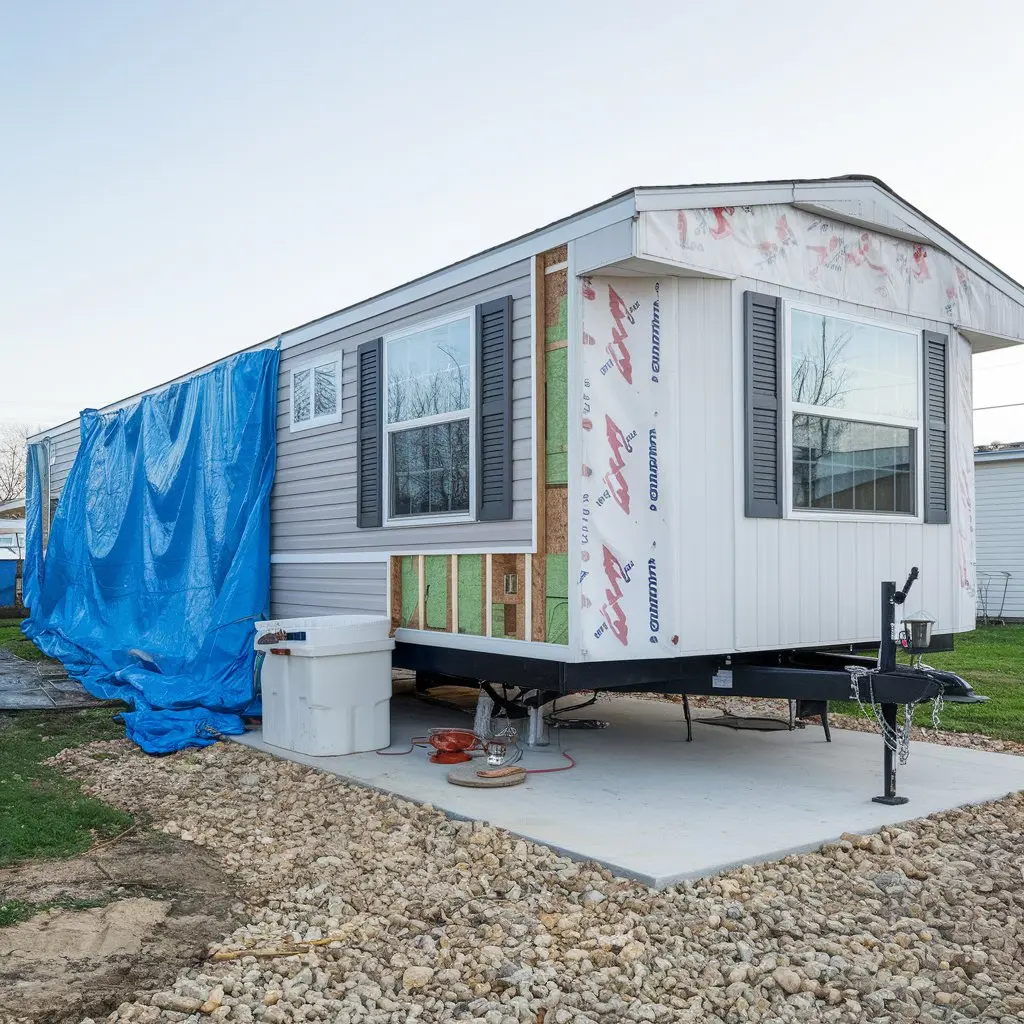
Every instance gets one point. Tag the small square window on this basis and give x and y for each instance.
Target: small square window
(316, 394)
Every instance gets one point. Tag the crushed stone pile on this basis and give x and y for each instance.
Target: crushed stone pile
(382, 911)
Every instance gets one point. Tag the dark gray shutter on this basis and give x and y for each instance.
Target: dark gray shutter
(936, 428)
(494, 420)
(369, 453)
(762, 319)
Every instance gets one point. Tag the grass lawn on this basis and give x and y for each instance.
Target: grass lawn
(14, 911)
(12, 639)
(42, 813)
(991, 659)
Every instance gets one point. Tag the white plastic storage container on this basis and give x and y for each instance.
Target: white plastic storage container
(326, 683)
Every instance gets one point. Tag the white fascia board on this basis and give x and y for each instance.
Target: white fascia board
(522, 248)
(311, 557)
(476, 266)
(1005, 455)
(982, 341)
(839, 210)
(490, 644)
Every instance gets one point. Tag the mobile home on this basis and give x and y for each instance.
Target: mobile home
(685, 427)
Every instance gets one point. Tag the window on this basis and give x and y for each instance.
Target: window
(855, 404)
(316, 393)
(429, 382)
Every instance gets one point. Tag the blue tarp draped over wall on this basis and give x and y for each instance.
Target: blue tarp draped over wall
(8, 571)
(158, 559)
(32, 570)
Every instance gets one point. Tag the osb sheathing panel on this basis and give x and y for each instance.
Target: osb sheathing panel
(521, 579)
(555, 256)
(556, 519)
(502, 565)
(395, 579)
(539, 599)
(556, 307)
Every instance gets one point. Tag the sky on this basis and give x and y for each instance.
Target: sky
(179, 180)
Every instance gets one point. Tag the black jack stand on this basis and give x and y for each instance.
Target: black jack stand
(886, 663)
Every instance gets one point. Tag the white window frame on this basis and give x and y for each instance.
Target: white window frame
(436, 518)
(311, 364)
(789, 408)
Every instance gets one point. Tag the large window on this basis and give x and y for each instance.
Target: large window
(855, 400)
(429, 393)
(316, 393)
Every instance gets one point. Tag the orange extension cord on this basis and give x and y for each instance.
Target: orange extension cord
(421, 741)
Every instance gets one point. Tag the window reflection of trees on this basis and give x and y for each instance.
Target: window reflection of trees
(325, 390)
(430, 469)
(431, 391)
(429, 465)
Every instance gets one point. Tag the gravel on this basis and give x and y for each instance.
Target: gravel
(421, 918)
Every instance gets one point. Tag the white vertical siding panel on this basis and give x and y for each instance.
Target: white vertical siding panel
(790, 612)
(705, 466)
(866, 587)
(830, 583)
(721, 407)
(846, 570)
(768, 584)
(1000, 534)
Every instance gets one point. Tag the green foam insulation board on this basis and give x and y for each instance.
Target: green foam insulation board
(557, 599)
(498, 621)
(557, 401)
(471, 607)
(436, 574)
(560, 330)
(410, 589)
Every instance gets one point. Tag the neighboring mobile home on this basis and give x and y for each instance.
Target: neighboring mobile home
(999, 486)
(686, 423)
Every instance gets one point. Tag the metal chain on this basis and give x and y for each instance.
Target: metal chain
(898, 739)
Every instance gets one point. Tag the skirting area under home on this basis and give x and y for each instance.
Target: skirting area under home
(647, 804)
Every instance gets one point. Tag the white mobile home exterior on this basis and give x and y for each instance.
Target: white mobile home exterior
(999, 483)
(726, 555)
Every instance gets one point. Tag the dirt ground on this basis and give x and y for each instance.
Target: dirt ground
(155, 905)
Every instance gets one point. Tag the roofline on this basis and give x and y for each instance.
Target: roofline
(843, 181)
(999, 454)
(622, 205)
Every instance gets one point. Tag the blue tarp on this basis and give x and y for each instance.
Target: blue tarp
(8, 571)
(158, 559)
(32, 570)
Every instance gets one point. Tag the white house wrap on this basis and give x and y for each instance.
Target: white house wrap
(628, 422)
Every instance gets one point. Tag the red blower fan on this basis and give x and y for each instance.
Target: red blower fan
(451, 745)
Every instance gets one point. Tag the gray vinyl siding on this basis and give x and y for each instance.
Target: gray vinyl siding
(63, 449)
(999, 510)
(327, 588)
(313, 504)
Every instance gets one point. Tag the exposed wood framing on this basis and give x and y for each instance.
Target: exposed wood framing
(421, 591)
(488, 625)
(453, 597)
(395, 592)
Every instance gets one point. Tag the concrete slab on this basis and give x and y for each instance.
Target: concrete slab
(647, 804)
